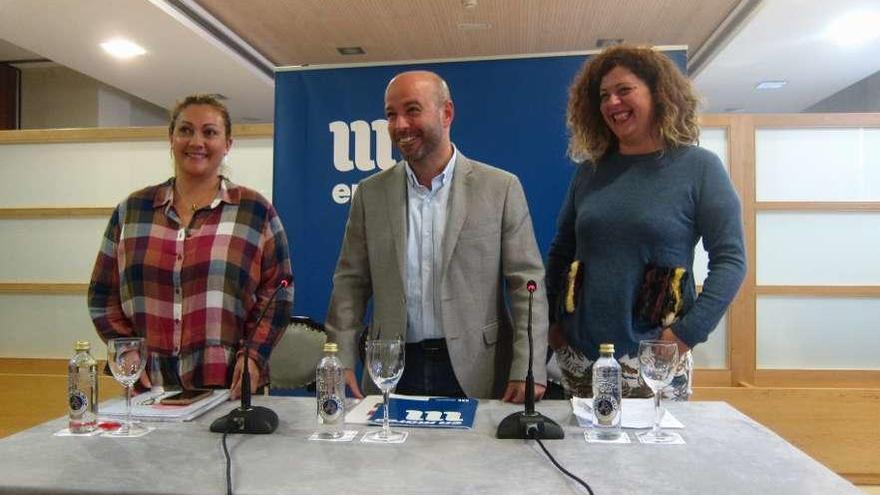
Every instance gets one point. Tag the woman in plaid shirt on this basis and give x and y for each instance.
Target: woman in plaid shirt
(189, 264)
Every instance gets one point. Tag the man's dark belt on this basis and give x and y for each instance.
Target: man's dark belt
(429, 346)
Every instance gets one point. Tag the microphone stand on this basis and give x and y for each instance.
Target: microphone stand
(529, 423)
(246, 418)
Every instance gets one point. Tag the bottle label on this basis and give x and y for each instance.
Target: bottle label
(331, 408)
(78, 403)
(606, 409)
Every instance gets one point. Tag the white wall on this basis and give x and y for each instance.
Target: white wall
(63, 250)
(53, 96)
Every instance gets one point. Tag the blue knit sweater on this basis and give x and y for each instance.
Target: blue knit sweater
(635, 211)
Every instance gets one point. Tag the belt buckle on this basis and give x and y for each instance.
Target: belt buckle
(433, 345)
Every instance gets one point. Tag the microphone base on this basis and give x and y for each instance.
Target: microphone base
(253, 421)
(525, 426)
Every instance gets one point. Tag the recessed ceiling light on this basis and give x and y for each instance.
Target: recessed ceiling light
(854, 28)
(122, 48)
(770, 85)
(350, 50)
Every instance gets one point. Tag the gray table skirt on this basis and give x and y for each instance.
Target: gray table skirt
(726, 452)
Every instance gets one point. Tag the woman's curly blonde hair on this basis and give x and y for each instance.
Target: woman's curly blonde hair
(675, 102)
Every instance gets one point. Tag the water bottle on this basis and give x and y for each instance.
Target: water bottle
(82, 390)
(606, 395)
(331, 395)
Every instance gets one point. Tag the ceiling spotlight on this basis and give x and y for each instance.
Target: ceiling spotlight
(854, 28)
(770, 85)
(469, 4)
(350, 50)
(122, 48)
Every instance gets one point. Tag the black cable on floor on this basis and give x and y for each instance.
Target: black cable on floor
(228, 465)
(559, 467)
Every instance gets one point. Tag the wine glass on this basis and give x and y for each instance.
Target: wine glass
(657, 362)
(127, 358)
(385, 360)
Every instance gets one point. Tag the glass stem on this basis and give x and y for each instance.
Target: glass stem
(657, 413)
(386, 428)
(128, 406)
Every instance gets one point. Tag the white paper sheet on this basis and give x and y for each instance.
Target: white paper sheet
(146, 407)
(637, 413)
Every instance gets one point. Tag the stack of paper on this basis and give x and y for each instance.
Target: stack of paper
(146, 407)
(637, 413)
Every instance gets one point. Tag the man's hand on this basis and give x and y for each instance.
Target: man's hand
(235, 389)
(516, 392)
(352, 383)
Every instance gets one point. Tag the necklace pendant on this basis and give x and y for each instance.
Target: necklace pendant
(194, 207)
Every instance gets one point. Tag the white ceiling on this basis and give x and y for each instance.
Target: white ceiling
(780, 39)
(786, 40)
(180, 59)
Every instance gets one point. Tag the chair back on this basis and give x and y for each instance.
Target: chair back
(295, 357)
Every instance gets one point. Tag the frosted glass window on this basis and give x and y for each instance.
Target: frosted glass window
(50, 250)
(818, 248)
(701, 263)
(817, 164)
(45, 326)
(712, 354)
(715, 140)
(103, 174)
(818, 333)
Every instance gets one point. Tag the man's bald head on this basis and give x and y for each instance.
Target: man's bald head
(428, 80)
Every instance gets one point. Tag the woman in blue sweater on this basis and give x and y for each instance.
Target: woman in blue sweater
(620, 269)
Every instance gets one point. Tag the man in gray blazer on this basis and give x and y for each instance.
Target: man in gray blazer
(441, 244)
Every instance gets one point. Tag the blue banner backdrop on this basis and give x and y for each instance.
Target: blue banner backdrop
(330, 133)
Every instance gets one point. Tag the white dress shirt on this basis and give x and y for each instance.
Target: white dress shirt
(426, 223)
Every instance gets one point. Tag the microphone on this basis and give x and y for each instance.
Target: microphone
(528, 423)
(246, 418)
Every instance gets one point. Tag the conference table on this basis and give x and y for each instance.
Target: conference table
(725, 452)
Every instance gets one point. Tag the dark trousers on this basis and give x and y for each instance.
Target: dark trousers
(428, 371)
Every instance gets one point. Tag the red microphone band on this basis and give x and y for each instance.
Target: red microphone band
(531, 286)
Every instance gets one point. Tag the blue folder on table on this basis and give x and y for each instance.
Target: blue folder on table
(429, 412)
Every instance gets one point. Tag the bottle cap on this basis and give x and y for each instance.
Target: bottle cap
(606, 348)
(81, 345)
(330, 347)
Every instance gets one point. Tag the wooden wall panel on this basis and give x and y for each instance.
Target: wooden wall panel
(837, 427)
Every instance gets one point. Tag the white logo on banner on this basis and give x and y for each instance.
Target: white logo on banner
(363, 156)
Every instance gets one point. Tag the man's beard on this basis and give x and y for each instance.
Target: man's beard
(429, 144)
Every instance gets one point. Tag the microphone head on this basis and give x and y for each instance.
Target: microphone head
(531, 286)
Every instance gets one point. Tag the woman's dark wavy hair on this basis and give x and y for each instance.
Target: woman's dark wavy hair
(675, 102)
(201, 99)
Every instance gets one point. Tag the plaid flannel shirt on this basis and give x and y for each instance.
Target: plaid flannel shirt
(193, 291)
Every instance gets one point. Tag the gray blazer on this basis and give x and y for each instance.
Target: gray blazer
(489, 253)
